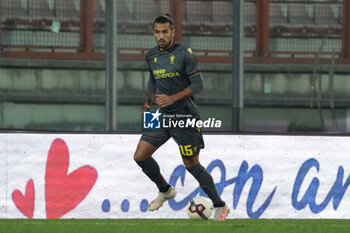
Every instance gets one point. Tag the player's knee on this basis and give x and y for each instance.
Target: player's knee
(137, 157)
(140, 156)
(190, 161)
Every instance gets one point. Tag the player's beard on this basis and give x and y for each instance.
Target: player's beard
(165, 46)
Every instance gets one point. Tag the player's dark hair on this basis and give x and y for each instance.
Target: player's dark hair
(166, 18)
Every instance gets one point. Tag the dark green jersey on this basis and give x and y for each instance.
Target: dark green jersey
(171, 71)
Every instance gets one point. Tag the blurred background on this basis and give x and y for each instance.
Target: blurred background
(269, 66)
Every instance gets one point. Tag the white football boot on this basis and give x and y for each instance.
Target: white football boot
(161, 198)
(221, 213)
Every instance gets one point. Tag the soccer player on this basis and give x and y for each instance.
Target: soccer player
(174, 78)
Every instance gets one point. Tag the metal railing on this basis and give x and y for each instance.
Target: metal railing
(275, 31)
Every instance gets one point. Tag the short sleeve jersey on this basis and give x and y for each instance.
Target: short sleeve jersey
(170, 73)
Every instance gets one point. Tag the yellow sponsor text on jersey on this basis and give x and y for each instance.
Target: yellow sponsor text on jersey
(161, 73)
(167, 75)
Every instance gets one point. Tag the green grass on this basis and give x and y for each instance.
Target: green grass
(172, 225)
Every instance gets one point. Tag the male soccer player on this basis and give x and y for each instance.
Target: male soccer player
(174, 78)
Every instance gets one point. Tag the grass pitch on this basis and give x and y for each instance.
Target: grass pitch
(174, 225)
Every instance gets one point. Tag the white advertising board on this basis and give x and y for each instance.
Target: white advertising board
(95, 176)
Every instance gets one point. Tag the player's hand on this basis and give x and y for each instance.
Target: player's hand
(144, 109)
(164, 100)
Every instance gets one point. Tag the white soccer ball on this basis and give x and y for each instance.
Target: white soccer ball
(199, 208)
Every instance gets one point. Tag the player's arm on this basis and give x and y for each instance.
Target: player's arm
(151, 90)
(193, 71)
(195, 87)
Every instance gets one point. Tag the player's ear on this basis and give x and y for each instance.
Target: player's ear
(174, 31)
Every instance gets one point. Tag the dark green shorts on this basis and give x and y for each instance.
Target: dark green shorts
(189, 140)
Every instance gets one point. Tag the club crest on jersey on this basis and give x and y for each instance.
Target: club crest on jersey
(155, 60)
(172, 58)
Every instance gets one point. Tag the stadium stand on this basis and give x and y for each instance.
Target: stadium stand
(124, 13)
(222, 13)
(327, 15)
(203, 20)
(197, 13)
(299, 14)
(250, 16)
(145, 11)
(278, 14)
(301, 26)
(13, 12)
(39, 9)
(67, 12)
(99, 13)
(198, 17)
(126, 18)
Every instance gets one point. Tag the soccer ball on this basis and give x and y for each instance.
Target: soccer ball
(199, 208)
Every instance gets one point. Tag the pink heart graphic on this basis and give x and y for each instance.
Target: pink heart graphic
(63, 192)
(25, 203)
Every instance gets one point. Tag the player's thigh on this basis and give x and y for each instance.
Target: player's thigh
(149, 142)
(144, 150)
(189, 140)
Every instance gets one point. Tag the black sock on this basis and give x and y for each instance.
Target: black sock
(206, 182)
(151, 169)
